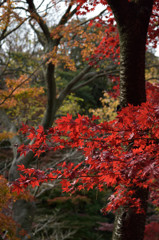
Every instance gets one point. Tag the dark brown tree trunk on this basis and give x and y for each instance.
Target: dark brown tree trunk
(132, 19)
(128, 224)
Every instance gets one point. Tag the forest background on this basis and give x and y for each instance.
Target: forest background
(68, 64)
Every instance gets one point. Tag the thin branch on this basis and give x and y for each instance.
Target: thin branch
(70, 85)
(153, 78)
(22, 8)
(40, 4)
(14, 29)
(64, 19)
(43, 226)
(3, 3)
(89, 81)
(91, 18)
(5, 67)
(39, 19)
(95, 76)
(67, 156)
(39, 35)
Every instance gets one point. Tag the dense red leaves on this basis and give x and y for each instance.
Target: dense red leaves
(152, 92)
(40, 137)
(153, 31)
(109, 45)
(152, 231)
(123, 154)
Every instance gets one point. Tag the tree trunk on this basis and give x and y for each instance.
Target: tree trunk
(132, 19)
(128, 224)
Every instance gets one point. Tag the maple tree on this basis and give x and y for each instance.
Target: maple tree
(124, 157)
(106, 147)
(132, 19)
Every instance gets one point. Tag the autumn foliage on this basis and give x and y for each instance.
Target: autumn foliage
(122, 154)
(152, 231)
(8, 225)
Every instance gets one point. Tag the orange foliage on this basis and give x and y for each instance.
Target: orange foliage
(74, 35)
(16, 89)
(8, 226)
(6, 135)
(8, 15)
(22, 100)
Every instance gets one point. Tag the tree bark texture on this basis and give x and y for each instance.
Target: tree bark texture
(128, 224)
(132, 19)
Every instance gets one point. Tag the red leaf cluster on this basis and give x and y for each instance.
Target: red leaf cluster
(109, 45)
(122, 154)
(152, 231)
